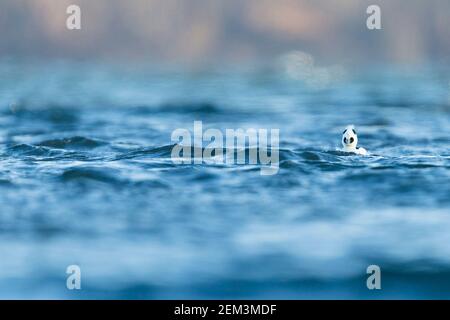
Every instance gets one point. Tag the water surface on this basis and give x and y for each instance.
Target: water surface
(86, 178)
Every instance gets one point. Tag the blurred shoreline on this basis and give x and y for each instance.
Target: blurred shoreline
(209, 33)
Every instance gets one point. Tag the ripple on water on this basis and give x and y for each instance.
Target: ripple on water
(76, 143)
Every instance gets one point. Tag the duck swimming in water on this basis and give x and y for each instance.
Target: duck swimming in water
(350, 141)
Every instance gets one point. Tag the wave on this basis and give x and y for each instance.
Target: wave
(200, 108)
(91, 173)
(76, 142)
(52, 113)
(154, 152)
(197, 108)
(32, 150)
(42, 153)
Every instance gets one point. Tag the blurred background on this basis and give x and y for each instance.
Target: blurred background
(219, 32)
(86, 177)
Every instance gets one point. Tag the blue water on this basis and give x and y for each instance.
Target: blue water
(86, 178)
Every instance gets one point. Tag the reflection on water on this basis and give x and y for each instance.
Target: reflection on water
(86, 178)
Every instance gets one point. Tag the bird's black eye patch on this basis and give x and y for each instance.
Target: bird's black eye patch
(344, 131)
(354, 131)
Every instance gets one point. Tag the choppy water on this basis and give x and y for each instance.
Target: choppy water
(86, 178)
